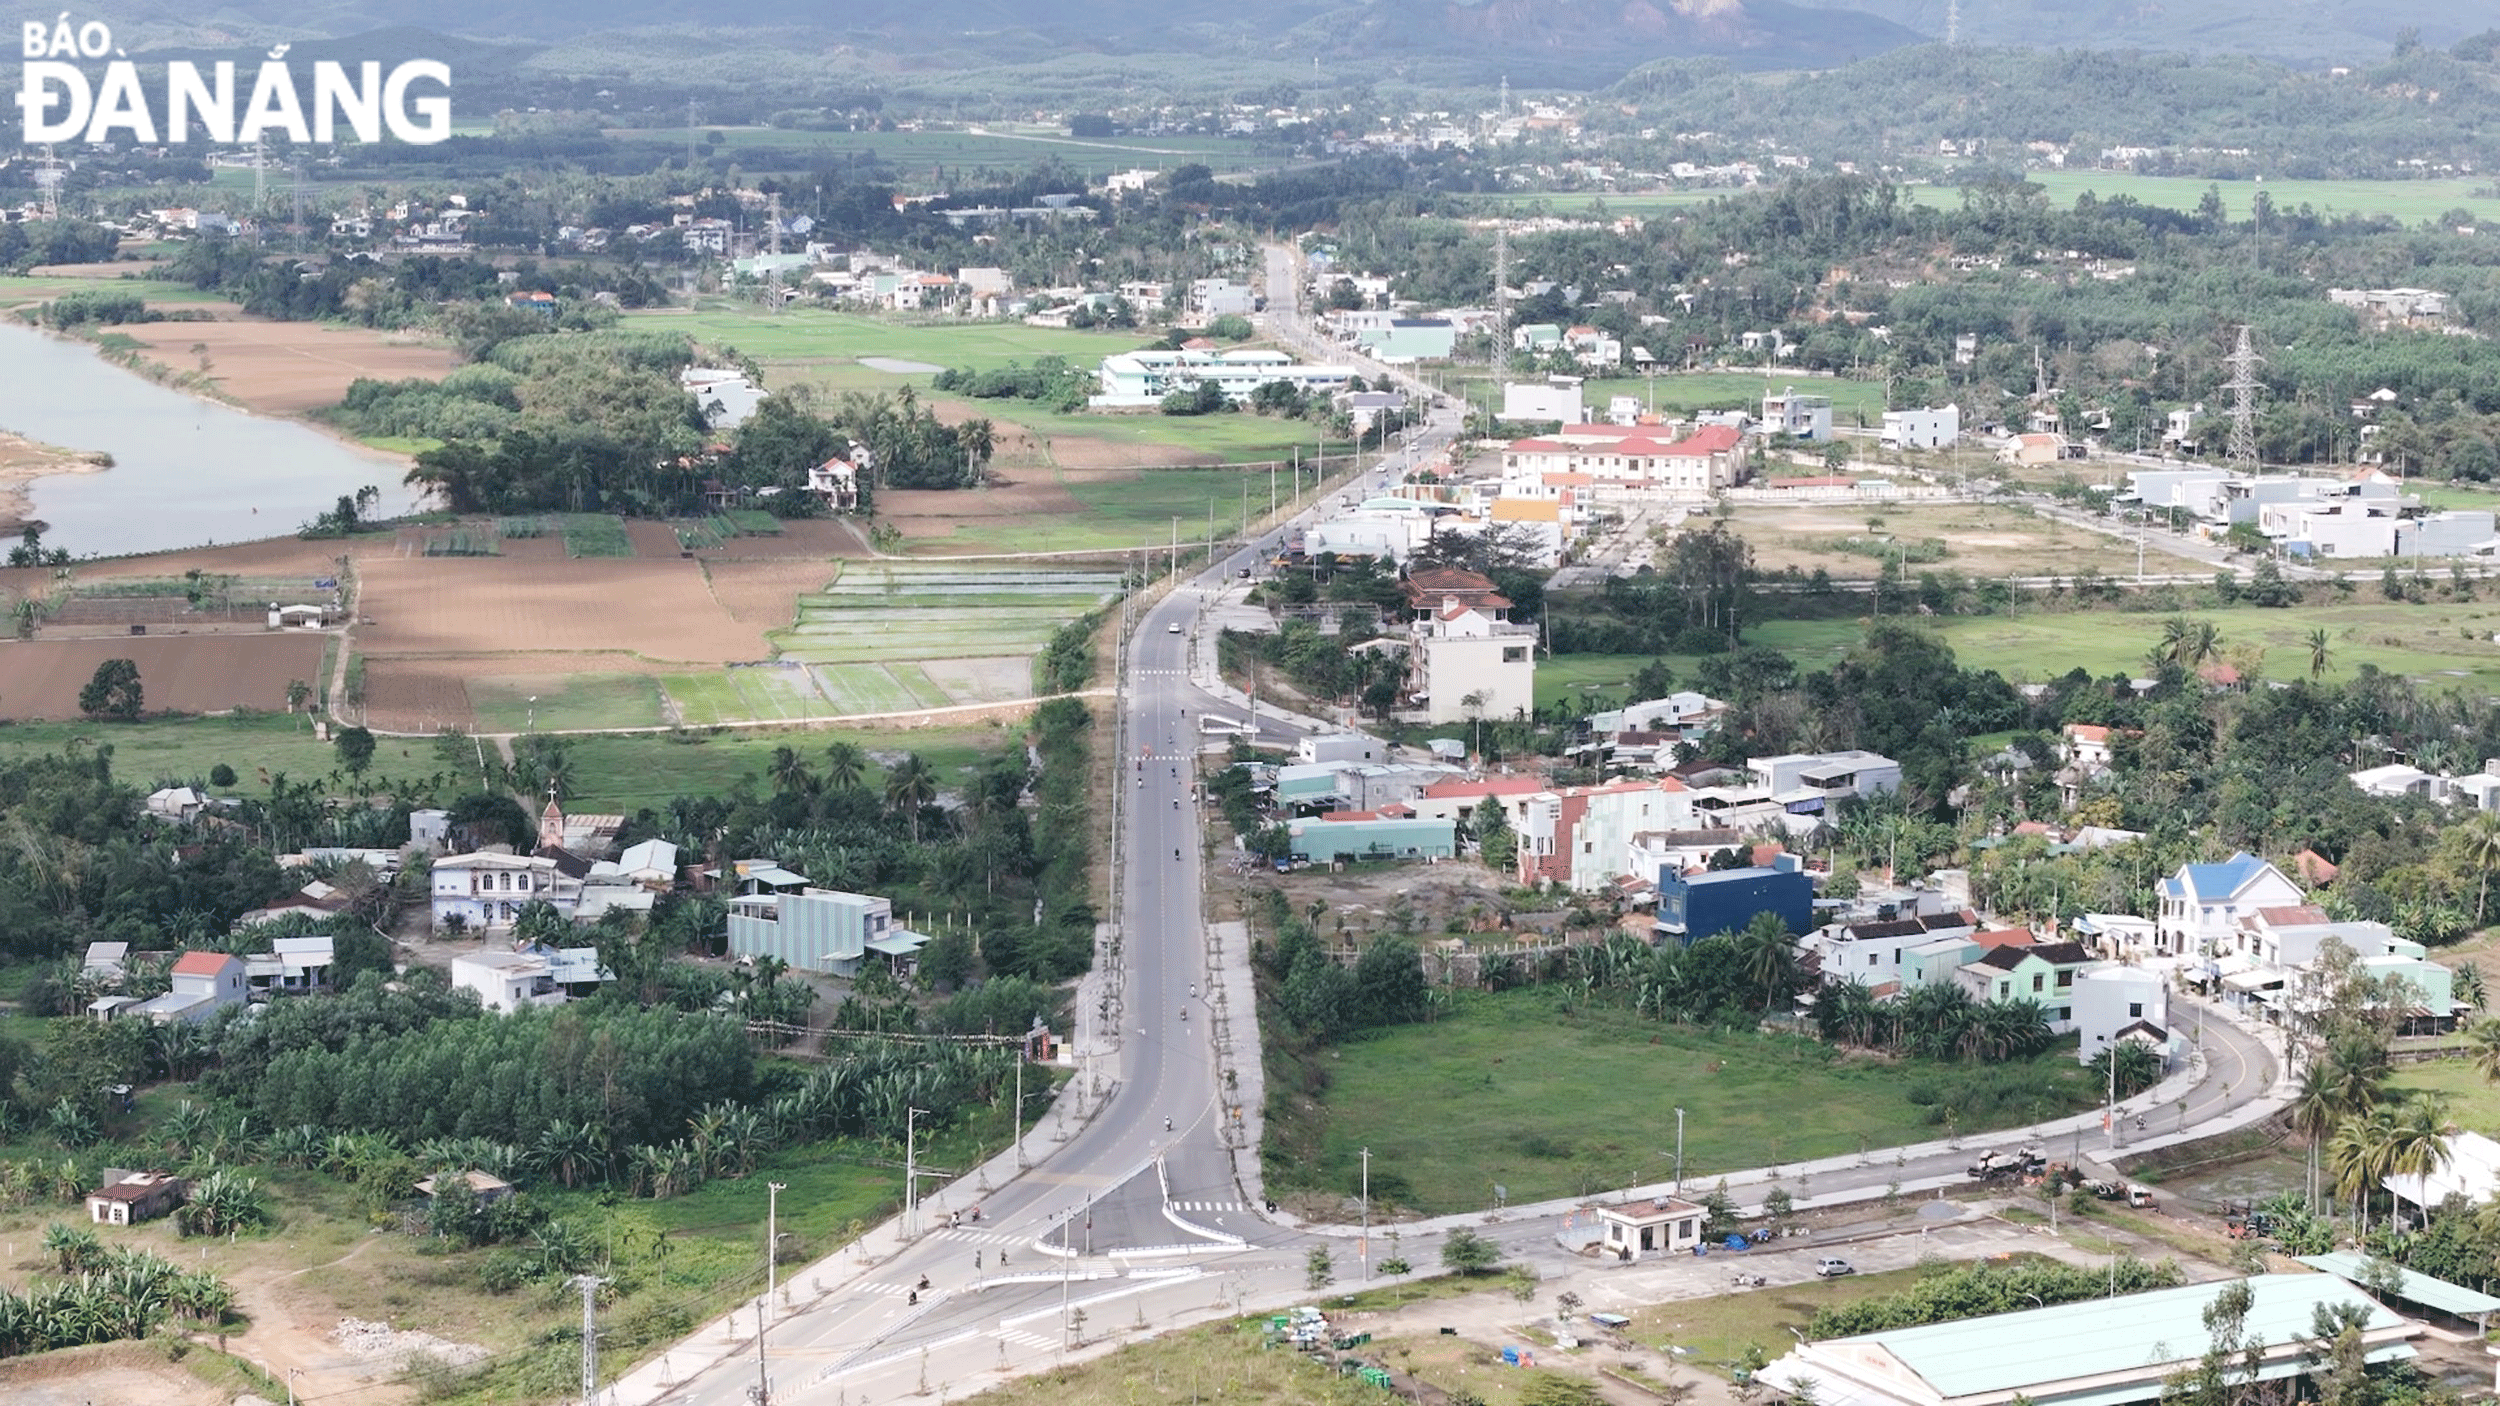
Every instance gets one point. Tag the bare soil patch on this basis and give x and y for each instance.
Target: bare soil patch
(1086, 452)
(765, 593)
(183, 673)
(501, 605)
(653, 539)
(417, 695)
(287, 368)
(22, 461)
(275, 556)
(1034, 495)
(109, 1372)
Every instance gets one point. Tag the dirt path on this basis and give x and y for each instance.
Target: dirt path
(287, 1336)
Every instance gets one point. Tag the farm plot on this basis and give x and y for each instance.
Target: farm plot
(187, 674)
(487, 606)
(742, 693)
(895, 636)
(517, 702)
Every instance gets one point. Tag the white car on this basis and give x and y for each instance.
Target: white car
(1830, 1267)
(1172, 629)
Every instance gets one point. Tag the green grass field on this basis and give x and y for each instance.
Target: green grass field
(2473, 1101)
(565, 701)
(183, 750)
(1457, 1105)
(17, 290)
(627, 773)
(2445, 644)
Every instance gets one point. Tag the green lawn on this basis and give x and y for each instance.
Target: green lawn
(565, 701)
(2408, 201)
(2443, 644)
(400, 443)
(183, 750)
(2473, 1101)
(18, 290)
(1523, 1090)
(628, 773)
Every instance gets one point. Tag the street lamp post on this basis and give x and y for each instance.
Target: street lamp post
(1679, 1152)
(772, 1235)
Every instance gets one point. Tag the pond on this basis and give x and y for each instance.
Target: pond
(186, 472)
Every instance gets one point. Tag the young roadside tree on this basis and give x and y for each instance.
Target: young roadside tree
(1467, 1253)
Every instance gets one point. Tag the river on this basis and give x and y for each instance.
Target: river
(186, 472)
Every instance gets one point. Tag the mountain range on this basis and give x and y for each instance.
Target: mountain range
(1584, 44)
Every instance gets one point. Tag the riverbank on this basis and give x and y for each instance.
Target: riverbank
(24, 460)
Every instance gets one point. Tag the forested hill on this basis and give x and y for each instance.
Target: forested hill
(2423, 104)
(2313, 32)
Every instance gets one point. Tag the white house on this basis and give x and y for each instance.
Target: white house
(1852, 774)
(176, 803)
(203, 984)
(1936, 428)
(487, 890)
(1141, 379)
(2202, 904)
(2397, 780)
(2113, 1001)
(507, 981)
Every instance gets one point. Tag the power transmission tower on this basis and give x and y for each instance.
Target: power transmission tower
(49, 173)
(692, 108)
(2243, 362)
(1501, 293)
(589, 1285)
(1506, 95)
(1953, 21)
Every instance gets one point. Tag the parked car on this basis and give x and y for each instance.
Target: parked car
(1832, 1267)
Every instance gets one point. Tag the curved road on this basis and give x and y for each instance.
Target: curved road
(1126, 1223)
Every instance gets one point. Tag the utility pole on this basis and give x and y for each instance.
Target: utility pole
(589, 1285)
(911, 1170)
(1019, 1123)
(772, 1235)
(1679, 1152)
(762, 1392)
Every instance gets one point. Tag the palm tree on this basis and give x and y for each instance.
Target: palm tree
(2466, 985)
(1769, 955)
(2357, 1159)
(909, 788)
(2200, 646)
(572, 1153)
(845, 766)
(2317, 652)
(2313, 1114)
(788, 772)
(979, 439)
(2483, 1039)
(2482, 850)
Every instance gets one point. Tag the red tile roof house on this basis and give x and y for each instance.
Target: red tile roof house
(203, 984)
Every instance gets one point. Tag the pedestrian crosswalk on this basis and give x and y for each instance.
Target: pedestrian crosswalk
(1206, 1206)
(1018, 1337)
(891, 1291)
(982, 1237)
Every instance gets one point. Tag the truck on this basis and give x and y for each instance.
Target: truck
(2136, 1196)
(1999, 1166)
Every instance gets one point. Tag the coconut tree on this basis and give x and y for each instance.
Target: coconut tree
(1769, 956)
(845, 766)
(2466, 985)
(2313, 1114)
(2318, 661)
(789, 774)
(2482, 1039)
(2482, 850)
(909, 788)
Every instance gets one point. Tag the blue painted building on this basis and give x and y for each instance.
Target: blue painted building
(1694, 906)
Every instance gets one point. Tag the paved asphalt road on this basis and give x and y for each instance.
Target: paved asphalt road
(1127, 1223)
